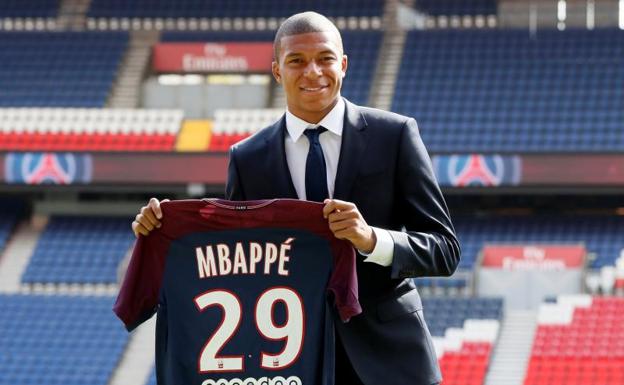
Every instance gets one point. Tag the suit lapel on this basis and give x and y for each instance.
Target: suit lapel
(276, 166)
(352, 148)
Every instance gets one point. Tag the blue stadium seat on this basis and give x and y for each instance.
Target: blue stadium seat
(506, 91)
(601, 235)
(442, 313)
(29, 8)
(229, 8)
(59, 69)
(79, 250)
(58, 340)
(457, 7)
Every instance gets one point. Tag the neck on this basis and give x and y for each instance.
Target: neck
(313, 117)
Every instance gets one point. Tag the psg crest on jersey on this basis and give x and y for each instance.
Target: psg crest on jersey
(477, 170)
(48, 168)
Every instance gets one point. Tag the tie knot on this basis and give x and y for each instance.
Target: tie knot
(313, 133)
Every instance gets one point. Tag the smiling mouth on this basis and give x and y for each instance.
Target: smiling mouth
(313, 89)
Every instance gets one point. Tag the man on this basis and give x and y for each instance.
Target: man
(374, 168)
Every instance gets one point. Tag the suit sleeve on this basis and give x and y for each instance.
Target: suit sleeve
(429, 246)
(233, 187)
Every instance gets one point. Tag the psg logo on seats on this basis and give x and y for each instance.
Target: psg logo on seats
(48, 168)
(477, 170)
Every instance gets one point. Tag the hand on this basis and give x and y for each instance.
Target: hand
(148, 218)
(346, 222)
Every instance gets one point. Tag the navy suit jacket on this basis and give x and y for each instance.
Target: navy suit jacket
(385, 170)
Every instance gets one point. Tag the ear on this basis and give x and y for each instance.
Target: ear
(276, 72)
(344, 65)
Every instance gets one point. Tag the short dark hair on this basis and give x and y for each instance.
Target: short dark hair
(305, 22)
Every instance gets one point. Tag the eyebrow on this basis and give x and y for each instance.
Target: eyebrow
(324, 52)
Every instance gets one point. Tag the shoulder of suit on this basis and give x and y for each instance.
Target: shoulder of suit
(257, 140)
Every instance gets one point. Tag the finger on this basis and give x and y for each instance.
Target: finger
(150, 218)
(342, 205)
(154, 205)
(329, 207)
(143, 221)
(347, 234)
(139, 229)
(342, 215)
(343, 225)
(134, 229)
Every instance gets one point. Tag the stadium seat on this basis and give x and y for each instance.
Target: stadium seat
(578, 341)
(464, 332)
(59, 69)
(58, 340)
(79, 250)
(507, 91)
(456, 7)
(228, 8)
(29, 8)
(88, 129)
(600, 234)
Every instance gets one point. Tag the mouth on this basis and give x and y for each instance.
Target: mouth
(313, 89)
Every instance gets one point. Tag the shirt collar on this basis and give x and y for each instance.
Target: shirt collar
(333, 121)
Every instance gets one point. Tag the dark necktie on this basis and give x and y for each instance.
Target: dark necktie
(316, 171)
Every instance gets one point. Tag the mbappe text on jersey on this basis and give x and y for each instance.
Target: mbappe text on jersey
(243, 258)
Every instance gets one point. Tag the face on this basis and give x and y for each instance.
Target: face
(310, 67)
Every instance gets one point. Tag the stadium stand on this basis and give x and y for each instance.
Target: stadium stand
(59, 69)
(58, 340)
(578, 341)
(464, 333)
(29, 8)
(507, 91)
(231, 126)
(457, 7)
(471, 91)
(217, 36)
(362, 48)
(601, 235)
(228, 8)
(79, 250)
(80, 129)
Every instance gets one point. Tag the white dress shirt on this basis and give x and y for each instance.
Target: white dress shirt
(297, 146)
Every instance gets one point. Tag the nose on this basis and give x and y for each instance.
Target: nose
(312, 69)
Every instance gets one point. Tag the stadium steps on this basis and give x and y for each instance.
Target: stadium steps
(72, 14)
(511, 355)
(137, 361)
(17, 253)
(127, 87)
(388, 59)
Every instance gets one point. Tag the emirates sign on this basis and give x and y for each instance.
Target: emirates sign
(213, 57)
(533, 257)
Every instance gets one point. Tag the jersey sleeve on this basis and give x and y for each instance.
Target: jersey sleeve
(138, 297)
(343, 282)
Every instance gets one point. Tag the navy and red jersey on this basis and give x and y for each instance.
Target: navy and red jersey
(242, 292)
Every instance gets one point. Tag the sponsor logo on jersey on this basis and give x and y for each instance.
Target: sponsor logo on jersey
(48, 168)
(292, 380)
(477, 170)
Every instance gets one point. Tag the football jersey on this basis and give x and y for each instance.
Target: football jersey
(243, 292)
